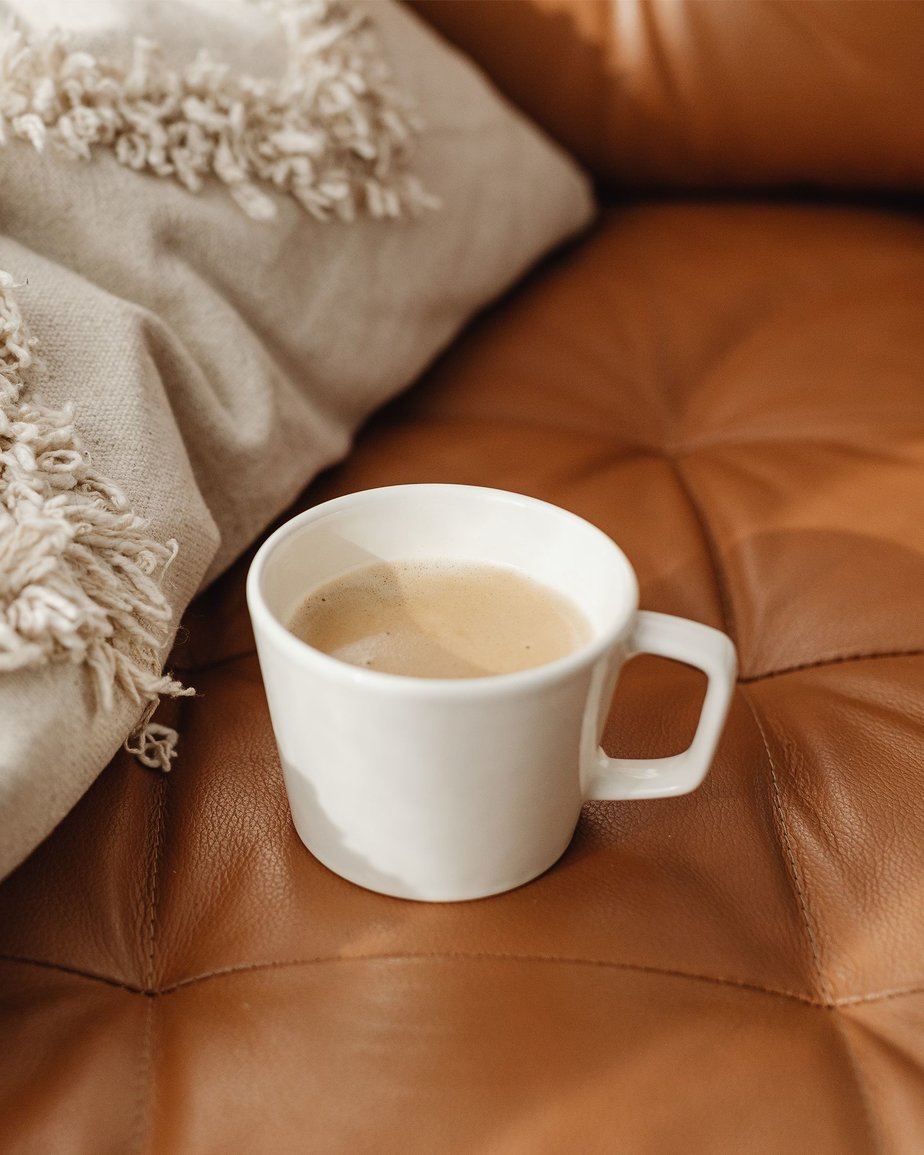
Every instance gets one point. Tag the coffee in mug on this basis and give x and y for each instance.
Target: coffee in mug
(440, 619)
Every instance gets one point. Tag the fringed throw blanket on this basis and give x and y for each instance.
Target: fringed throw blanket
(78, 570)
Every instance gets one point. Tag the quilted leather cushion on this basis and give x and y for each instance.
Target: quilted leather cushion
(733, 393)
(712, 93)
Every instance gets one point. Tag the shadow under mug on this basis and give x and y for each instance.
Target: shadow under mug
(451, 789)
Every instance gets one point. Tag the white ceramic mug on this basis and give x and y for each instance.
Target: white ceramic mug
(449, 789)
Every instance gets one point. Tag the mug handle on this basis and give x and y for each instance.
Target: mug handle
(696, 645)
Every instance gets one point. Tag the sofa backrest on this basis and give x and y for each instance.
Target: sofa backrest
(712, 93)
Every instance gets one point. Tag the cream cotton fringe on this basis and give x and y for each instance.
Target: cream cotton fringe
(332, 132)
(79, 577)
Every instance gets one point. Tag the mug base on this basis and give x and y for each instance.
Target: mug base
(361, 874)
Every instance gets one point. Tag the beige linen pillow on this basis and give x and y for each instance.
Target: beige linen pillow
(212, 362)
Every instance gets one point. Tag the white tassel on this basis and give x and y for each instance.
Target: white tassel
(80, 579)
(154, 746)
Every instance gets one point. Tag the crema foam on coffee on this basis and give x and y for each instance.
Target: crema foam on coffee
(440, 619)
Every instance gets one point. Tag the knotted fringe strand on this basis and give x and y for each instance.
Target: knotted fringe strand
(333, 132)
(80, 578)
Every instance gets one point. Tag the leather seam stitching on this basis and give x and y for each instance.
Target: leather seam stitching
(862, 1088)
(837, 660)
(141, 1090)
(810, 929)
(494, 956)
(459, 956)
(844, 1002)
(848, 1001)
(789, 854)
(76, 972)
(146, 1055)
(151, 898)
(712, 549)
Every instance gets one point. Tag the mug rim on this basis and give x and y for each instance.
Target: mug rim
(405, 684)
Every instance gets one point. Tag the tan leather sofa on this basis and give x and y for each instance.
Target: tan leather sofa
(729, 380)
